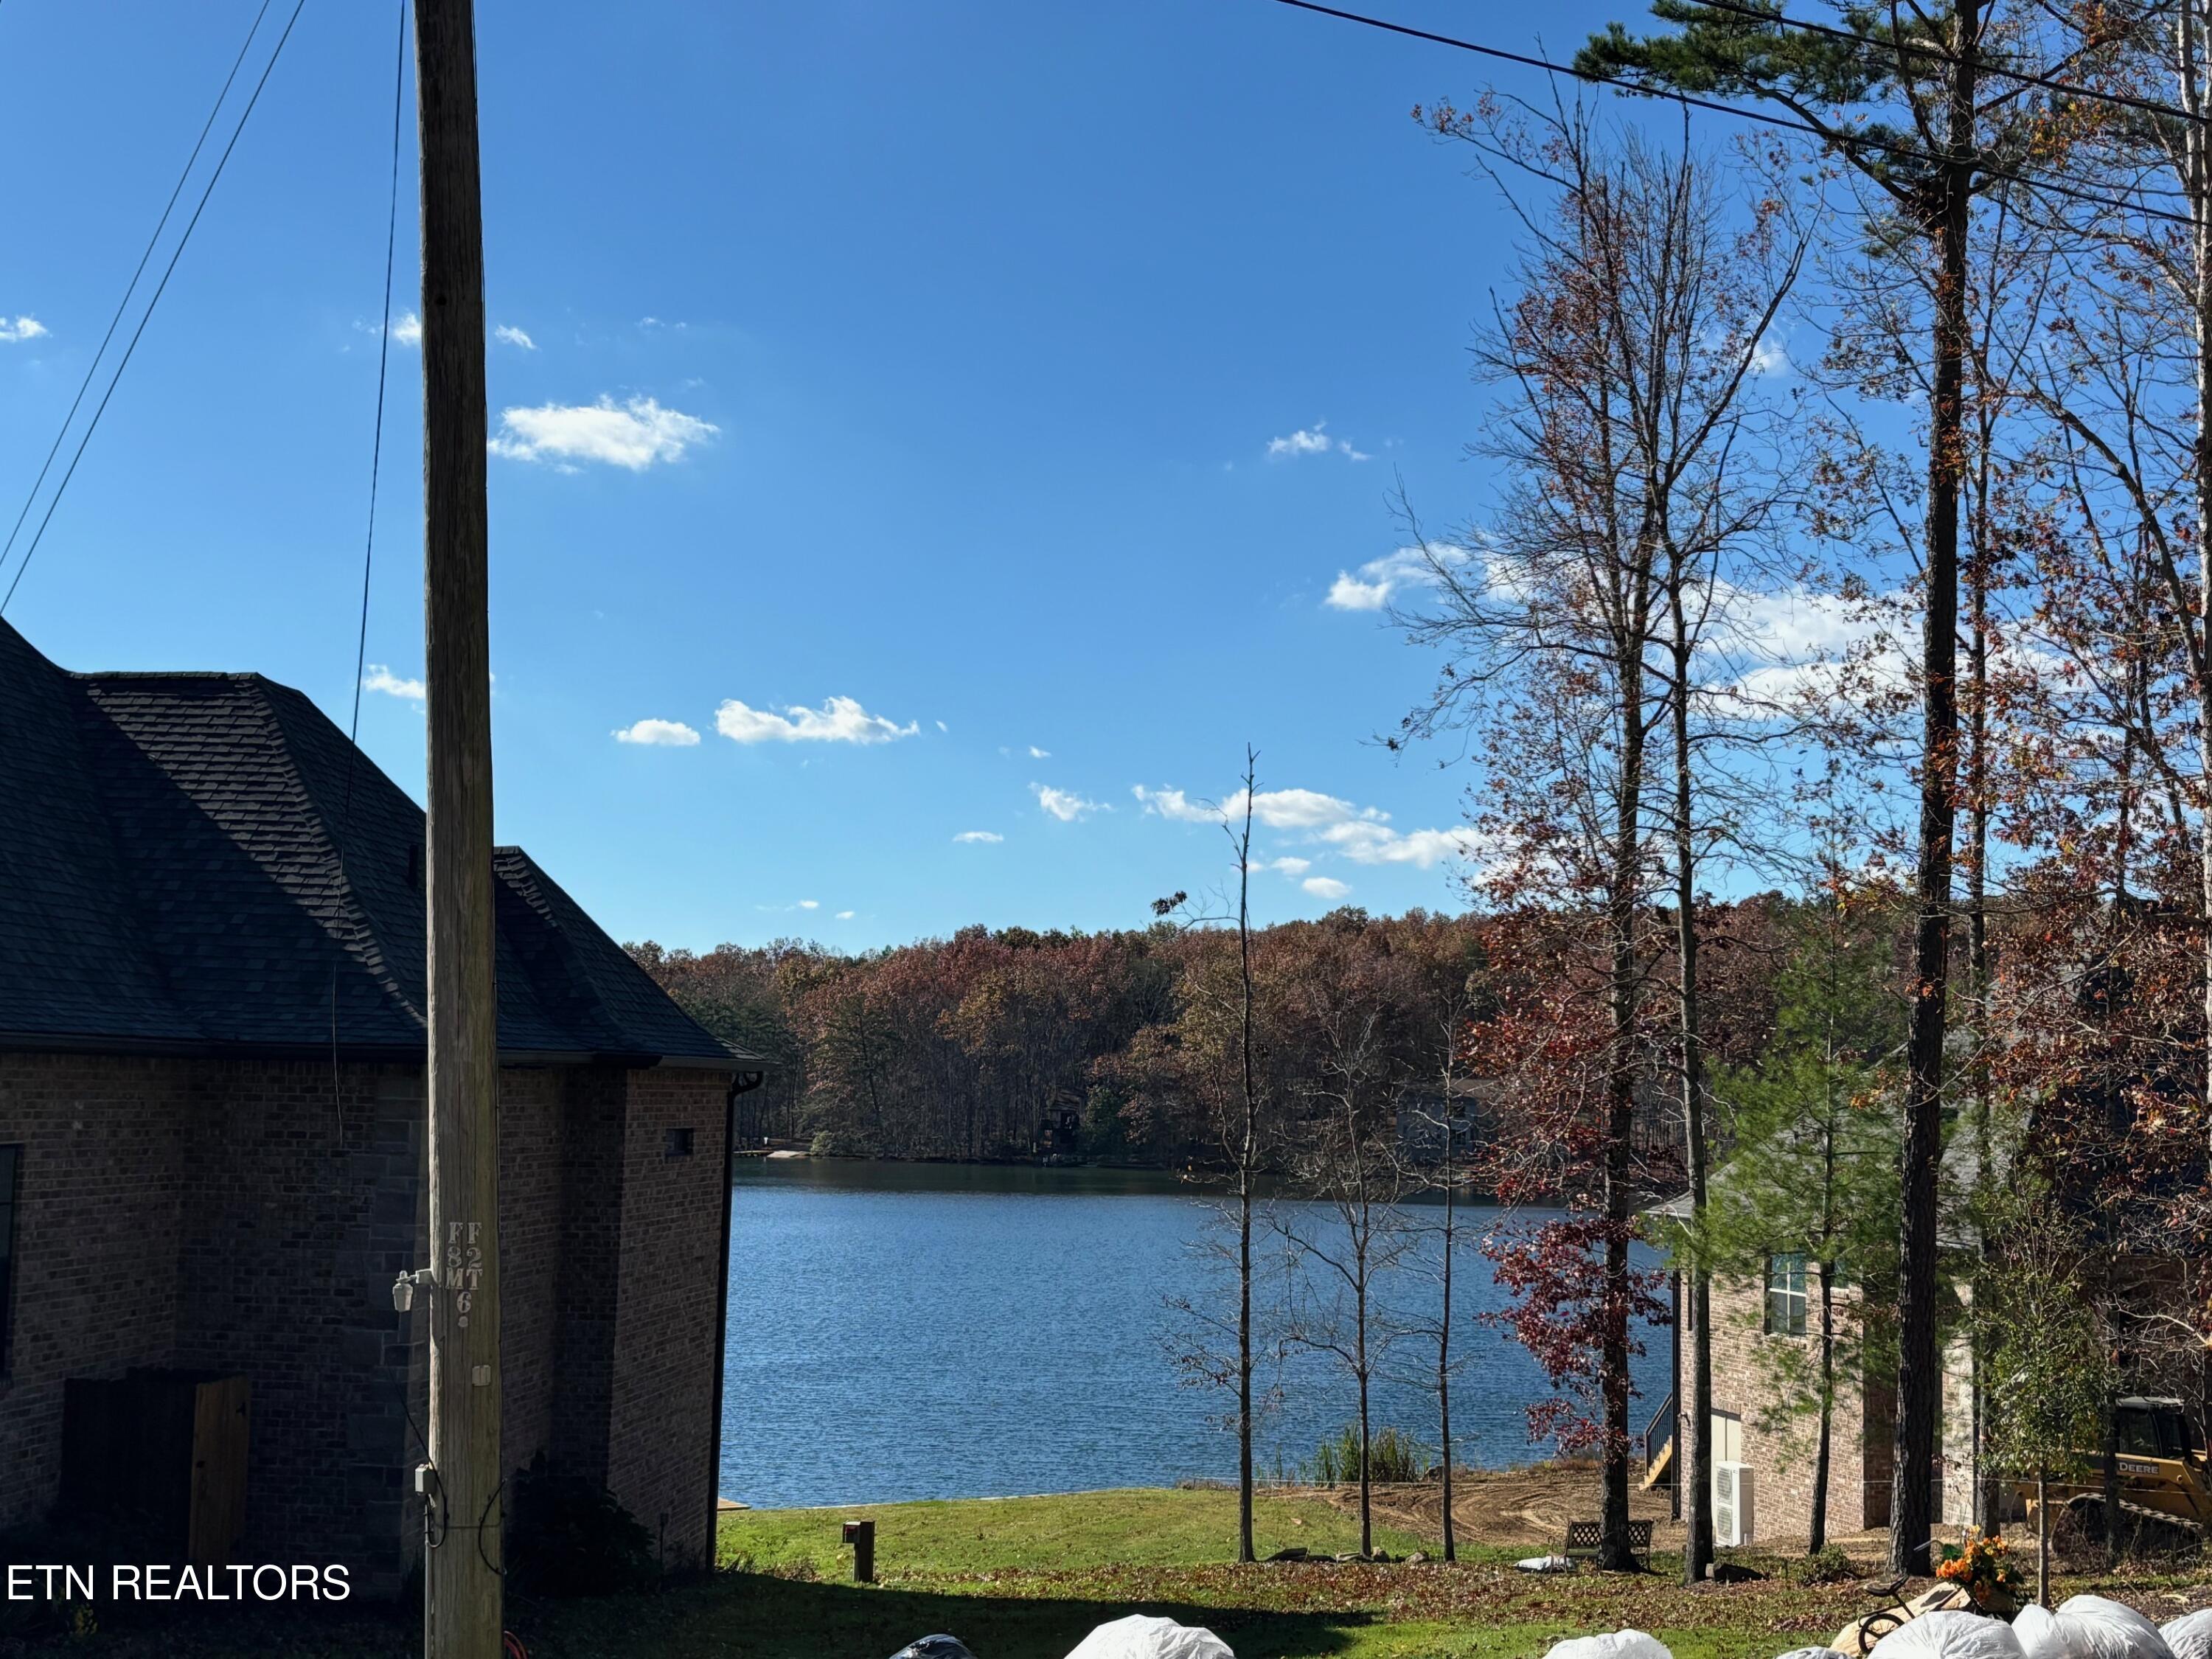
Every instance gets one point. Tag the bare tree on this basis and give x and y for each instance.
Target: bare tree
(1594, 619)
(1348, 1162)
(1440, 1121)
(1240, 1132)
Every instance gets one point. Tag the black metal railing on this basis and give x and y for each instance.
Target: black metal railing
(1659, 1431)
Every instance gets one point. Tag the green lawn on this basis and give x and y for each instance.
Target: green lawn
(1138, 1527)
(1025, 1578)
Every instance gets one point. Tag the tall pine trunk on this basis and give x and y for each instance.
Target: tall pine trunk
(1822, 1456)
(1919, 1361)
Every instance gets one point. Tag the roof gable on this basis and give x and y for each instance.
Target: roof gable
(205, 859)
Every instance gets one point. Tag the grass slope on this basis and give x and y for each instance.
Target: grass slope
(1025, 1578)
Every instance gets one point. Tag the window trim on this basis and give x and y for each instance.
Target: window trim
(1787, 1288)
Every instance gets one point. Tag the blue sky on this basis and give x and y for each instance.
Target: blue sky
(1006, 384)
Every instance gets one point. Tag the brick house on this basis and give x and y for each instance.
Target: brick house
(211, 1122)
(1765, 1330)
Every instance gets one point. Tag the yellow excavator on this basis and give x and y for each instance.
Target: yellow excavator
(2165, 1480)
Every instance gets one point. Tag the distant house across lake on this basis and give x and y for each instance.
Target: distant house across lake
(211, 1135)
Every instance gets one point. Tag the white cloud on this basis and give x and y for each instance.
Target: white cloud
(942, 726)
(840, 719)
(810, 904)
(1065, 804)
(1036, 753)
(408, 330)
(1277, 809)
(1381, 580)
(844, 915)
(1785, 648)
(665, 734)
(1770, 355)
(1313, 440)
(1360, 834)
(381, 678)
(979, 836)
(635, 435)
(1326, 887)
(23, 328)
(514, 336)
(1367, 843)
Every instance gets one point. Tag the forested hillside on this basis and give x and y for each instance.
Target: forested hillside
(1120, 1046)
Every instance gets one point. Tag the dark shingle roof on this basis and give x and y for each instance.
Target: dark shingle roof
(193, 861)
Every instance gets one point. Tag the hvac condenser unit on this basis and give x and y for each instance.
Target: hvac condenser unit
(1732, 1503)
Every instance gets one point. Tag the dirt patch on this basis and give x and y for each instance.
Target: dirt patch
(1533, 1506)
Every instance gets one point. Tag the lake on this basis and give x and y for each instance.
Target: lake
(901, 1331)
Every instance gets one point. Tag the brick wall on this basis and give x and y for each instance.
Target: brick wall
(1752, 1373)
(302, 1206)
(96, 1233)
(593, 1175)
(660, 1427)
(250, 1217)
(530, 1258)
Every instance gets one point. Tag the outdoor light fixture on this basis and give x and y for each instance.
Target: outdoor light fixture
(402, 1288)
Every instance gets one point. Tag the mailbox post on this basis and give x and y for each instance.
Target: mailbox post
(861, 1536)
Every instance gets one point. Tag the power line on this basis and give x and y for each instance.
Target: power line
(344, 829)
(1789, 123)
(30, 552)
(383, 365)
(122, 305)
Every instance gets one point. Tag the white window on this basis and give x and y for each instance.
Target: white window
(1785, 1294)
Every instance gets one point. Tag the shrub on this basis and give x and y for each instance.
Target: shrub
(1391, 1457)
(1826, 1565)
(568, 1536)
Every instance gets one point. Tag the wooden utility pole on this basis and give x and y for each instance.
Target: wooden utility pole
(461, 1614)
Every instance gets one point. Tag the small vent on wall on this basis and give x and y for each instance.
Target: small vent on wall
(678, 1144)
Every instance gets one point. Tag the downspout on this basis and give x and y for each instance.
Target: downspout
(740, 1083)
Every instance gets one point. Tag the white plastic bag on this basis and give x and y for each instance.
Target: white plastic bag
(2191, 1635)
(1613, 1645)
(1142, 1636)
(2092, 1627)
(1950, 1635)
(1810, 1653)
(2036, 1628)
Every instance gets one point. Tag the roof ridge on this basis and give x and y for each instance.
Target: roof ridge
(361, 940)
(167, 674)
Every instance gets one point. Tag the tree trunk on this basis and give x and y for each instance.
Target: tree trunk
(1247, 1153)
(1366, 1487)
(1919, 1367)
(1245, 1545)
(1443, 1328)
(1821, 1452)
(2042, 1536)
(1623, 1002)
(2197, 185)
(1696, 1472)
(1986, 1503)
(2111, 1469)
